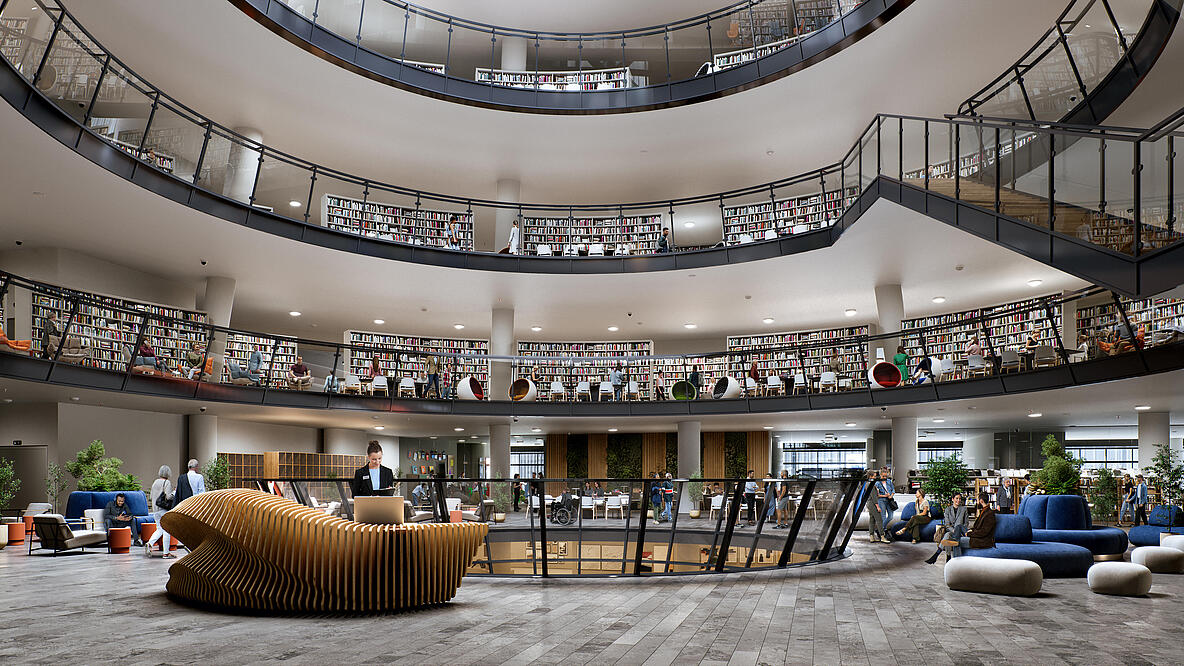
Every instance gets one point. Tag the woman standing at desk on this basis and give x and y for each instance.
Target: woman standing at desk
(373, 476)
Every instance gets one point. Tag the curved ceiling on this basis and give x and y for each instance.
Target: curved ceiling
(559, 16)
(229, 67)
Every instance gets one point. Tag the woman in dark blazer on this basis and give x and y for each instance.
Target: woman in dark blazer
(366, 478)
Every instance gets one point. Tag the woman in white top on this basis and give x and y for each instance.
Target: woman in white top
(918, 521)
(514, 234)
(161, 486)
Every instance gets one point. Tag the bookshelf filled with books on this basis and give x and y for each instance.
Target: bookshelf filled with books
(161, 160)
(434, 67)
(1161, 318)
(969, 164)
(565, 235)
(571, 81)
(711, 369)
(276, 358)
(740, 56)
(109, 333)
(12, 37)
(786, 216)
(810, 356)
(1006, 331)
(402, 356)
(417, 226)
(570, 373)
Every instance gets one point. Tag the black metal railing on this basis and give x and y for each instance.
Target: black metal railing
(555, 527)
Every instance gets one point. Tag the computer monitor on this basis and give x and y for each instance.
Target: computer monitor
(378, 510)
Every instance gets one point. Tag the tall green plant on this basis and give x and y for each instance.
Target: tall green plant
(944, 477)
(695, 488)
(1169, 473)
(217, 473)
(501, 496)
(1061, 474)
(55, 483)
(9, 483)
(95, 471)
(1104, 495)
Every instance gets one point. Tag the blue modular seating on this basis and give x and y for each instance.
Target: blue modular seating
(1013, 541)
(910, 510)
(81, 500)
(1066, 519)
(1160, 520)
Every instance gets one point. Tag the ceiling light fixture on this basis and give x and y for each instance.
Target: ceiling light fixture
(688, 225)
(294, 313)
(612, 429)
(614, 329)
(459, 429)
(768, 320)
(1035, 415)
(380, 427)
(1035, 282)
(294, 203)
(1142, 408)
(536, 429)
(850, 312)
(850, 424)
(380, 322)
(939, 299)
(768, 427)
(690, 326)
(939, 420)
(536, 329)
(458, 326)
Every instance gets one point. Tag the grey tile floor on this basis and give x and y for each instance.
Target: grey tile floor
(882, 605)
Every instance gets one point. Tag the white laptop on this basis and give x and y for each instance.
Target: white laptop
(378, 510)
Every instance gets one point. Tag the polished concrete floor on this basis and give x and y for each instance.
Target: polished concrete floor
(882, 605)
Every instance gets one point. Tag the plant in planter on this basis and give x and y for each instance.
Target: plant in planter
(95, 471)
(695, 493)
(1104, 496)
(1169, 475)
(217, 473)
(1061, 474)
(9, 483)
(55, 483)
(500, 494)
(944, 478)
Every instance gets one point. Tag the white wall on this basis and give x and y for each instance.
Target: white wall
(250, 437)
(79, 271)
(143, 440)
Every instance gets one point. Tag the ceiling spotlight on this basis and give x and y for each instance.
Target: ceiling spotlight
(688, 225)
(432, 437)
(850, 312)
(458, 326)
(850, 424)
(294, 203)
(294, 313)
(536, 429)
(690, 326)
(939, 299)
(380, 427)
(939, 420)
(74, 398)
(1142, 408)
(614, 329)
(536, 329)
(459, 429)
(1035, 415)
(1035, 283)
(380, 322)
(612, 429)
(768, 320)
(769, 153)
(768, 427)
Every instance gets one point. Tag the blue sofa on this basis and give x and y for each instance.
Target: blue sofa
(81, 500)
(1162, 517)
(910, 510)
(1013, 541)
(1066, 519)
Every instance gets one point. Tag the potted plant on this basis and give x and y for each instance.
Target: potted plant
(1104, 495)
(55, 483)
(944, 477)
(217, 473)
(1169, 476)
(1061, 474)
(695, 494)
(95, 471)
(500, 494)
(9, 485)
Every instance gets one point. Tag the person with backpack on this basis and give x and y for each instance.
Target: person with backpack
(656, 496)
(667, 496)
(162, 500)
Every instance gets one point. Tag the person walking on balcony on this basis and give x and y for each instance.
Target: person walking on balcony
(515, 237)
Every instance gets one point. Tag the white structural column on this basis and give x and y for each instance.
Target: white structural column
(501, 343)
(499, 450)
(978, 449)
(689, 457)
(1154, 429)
(1069, 325)
(203, 437)
(889, 313)
(218, 303)
(904, 449)
(513, 53)
(241, 166)
(508, 190)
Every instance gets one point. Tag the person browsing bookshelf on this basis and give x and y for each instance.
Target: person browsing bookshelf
(665, 243)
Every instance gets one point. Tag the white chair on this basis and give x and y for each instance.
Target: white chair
(633, 391)
(534, 502)
(586, 504)
(557, 390)
(717, 504)
(975, 365)
(1009, 360)
(613, 503)
(770, 234)
(746, 238)
(624, 249)
(751, 387)
(570, 250)
(773, 385)
(543, 250)
(596, 250)
(584, 389)
(828, 381)
(947, 370)
(1044, 356)
(605, 389)
(406, 387)
(352, 384)
(799, 383)
(379, 385)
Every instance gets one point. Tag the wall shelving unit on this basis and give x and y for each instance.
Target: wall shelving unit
(589, 79)
(410, 363)
(417, 226)
(163, 161)
(13, 41)
(641, 232)
(786, 216)
(240, 346)
(1006, 331)
(787, 363)
(434, 67)
(1157, 315)
(608, 352)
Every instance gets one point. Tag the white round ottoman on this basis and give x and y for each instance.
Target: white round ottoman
(993, 576)
(1125, 579)
(1174, 541)
(1159, 559)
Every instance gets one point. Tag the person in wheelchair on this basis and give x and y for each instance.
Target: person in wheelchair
(565, 509)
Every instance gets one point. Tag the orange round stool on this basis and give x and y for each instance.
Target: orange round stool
(16, 533)
(119, 539)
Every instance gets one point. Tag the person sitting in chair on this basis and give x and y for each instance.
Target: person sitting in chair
(371, 478)
(119, 514)
(299, 377)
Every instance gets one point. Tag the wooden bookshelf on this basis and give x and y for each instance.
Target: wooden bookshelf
(640, 232)
(786, 216)
(1160, 318)
(239, 347)
(595, 371)
(417, 226)
(111, 333)
(300, 465)
(615, 78)
(1005, 331)
(244, 468)
(813, 357)
(408, 362)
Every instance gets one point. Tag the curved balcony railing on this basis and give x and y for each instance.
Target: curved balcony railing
(116, 346)
(698, 58)
(1065, 190)
(590, 527)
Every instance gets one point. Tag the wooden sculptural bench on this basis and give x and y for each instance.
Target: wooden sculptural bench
(254, 551)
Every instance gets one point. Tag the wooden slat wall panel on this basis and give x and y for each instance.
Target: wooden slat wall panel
(758, 452)
(555, 461)
(653, 453)
(598, 455)
(713, 455)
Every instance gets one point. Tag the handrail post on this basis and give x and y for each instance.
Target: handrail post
(201, 156)
(57, 25)
(255, 183)
(1138, 196)
(1052, 182)
(95, 96)
(311, 188)
(999, 171)
(638, 551)
(796, 527)
(721, 557)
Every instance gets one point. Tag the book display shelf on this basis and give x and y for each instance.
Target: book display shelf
(299, 465)
(1005, 331)
(12, 41)
(571, 373)
(812, 360)
(244, 468)
(417, 226)
(786, 216)
(566, 235)
(1160, 317)
(970, 163)
(161, 160)
(240, 346)
(110, 333)
(741, 56)
(408, 361)
(711, 370)
(589, 79)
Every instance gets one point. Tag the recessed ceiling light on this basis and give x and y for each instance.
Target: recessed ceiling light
(768, 427)
(612, 429)
(294, 203)
(850, 312)
(1035, 283)
(769, 153)
(688, 326)
(74, 398)
(536, 429)
(380, 427)
(939, 420)
(7, 401)
(294, 313)
(1035, 415)
(850, 424)
(939, 299)
(768, 320)
(432, 437)
(458, 326)
(536, 329)
(688, 225)
(380, 322)
(1142, 408)
(459, 429)
(614, 329)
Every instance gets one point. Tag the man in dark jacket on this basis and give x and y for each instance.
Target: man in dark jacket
(118, 514)
(982, 532)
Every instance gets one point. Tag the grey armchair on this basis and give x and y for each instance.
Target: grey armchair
(56, 535)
